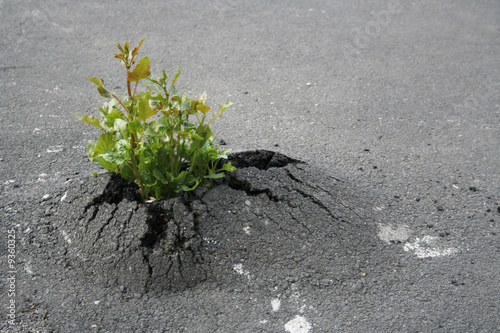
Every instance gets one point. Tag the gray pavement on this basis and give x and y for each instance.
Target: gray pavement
(398, 100)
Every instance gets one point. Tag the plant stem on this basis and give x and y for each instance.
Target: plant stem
(135, 89)
(128, 90)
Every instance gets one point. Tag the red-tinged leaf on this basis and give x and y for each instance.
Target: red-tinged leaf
(136, 49)
(125, 48)
(120, 47)
(141, 71)
(121, 57)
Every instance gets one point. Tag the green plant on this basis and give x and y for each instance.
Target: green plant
(165, 154)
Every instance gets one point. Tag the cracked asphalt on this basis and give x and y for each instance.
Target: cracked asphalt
(393, 105)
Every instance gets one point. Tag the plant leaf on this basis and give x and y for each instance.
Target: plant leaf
(187, 189)
(215, 175)
(135, 126)
(228, 167)
(196, 137)
(176, 75)
(105, 144)
(153, 84)
(120, 126)
(105, 164)
(172, 87)
(114, 158)
(100, 87)
(202, 108)
(222, 108)
(90, 147)
(112, 117)
(91, 121)
(157, 173)
(145, 110)
(136, 49)
(141, 71)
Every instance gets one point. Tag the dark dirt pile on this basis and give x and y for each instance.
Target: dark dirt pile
(106, 235)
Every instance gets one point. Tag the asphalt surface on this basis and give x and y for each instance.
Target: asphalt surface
(398, 101)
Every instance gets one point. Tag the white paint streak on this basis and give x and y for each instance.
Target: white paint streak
(390, 233)
(64, 196)
(428, 247)
(276, 304)
(298, 324)
(55, 149)
(239, 269)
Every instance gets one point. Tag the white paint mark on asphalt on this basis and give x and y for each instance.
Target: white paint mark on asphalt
(239, 269)
(55, 149)
(428, 246)
(64, 196)
(276, 304)
(390, 233)
(66, 237)
(46, 196)
(298, 324)
(247, 230)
